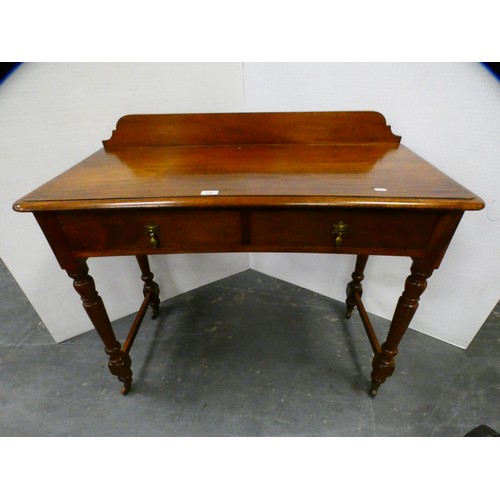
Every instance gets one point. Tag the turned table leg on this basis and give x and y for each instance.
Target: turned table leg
(119, 362)
(355, 285)
(383, 362)
(150, 286)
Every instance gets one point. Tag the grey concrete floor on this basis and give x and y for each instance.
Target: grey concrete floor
(249, 355)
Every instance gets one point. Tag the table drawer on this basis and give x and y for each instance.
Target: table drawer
(396, 232)
(99, 233)
(378, 231)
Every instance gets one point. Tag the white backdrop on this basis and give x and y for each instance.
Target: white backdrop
(53, 115)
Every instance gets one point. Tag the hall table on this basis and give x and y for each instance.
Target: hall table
(315, 182)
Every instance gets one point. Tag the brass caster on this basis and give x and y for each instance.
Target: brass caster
(126, 388)
(349, 309)
(374, 389)
(155, 309)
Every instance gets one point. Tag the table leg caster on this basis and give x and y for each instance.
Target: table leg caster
(127, 384)
(154, 312)
(126, 389)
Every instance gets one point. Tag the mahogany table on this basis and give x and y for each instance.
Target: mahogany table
(319, 182)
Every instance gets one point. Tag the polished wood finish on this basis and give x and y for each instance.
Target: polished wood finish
(151, 289)
(282, 175)
(354, 288)
(383, 362)
(380, 231)
(119, 360)
(260, 182)
(220, 129)
(261, 159)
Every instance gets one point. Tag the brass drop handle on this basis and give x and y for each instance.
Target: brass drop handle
(339, 229)
(152, 230)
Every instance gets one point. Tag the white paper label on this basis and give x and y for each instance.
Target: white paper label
(380, 189)
(209, 192)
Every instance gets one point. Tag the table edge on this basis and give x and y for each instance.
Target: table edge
(473, 203)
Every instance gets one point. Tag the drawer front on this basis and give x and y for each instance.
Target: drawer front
(376, 231)
(388, 232)
(151, 231)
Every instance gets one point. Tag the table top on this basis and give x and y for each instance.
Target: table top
(252, 159)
